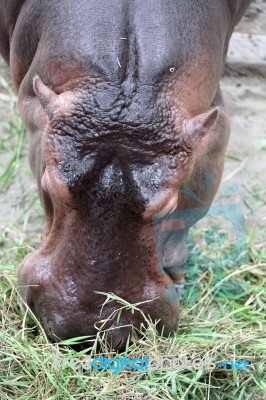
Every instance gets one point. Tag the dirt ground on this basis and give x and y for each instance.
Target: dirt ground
(254, 20)
(245, 167)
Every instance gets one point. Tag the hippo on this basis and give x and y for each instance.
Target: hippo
(123, 109)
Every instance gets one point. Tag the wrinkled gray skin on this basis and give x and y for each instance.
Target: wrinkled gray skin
(123, 108)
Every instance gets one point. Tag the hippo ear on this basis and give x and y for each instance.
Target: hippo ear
(48, 99)
(197, 127)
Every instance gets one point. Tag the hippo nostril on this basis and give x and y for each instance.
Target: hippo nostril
(117, 338)
(120, 342)
(115, 342)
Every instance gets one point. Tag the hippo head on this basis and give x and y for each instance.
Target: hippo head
(108, 171)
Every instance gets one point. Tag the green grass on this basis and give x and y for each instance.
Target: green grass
(223, 316)
(225, 327)
(15, 130)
